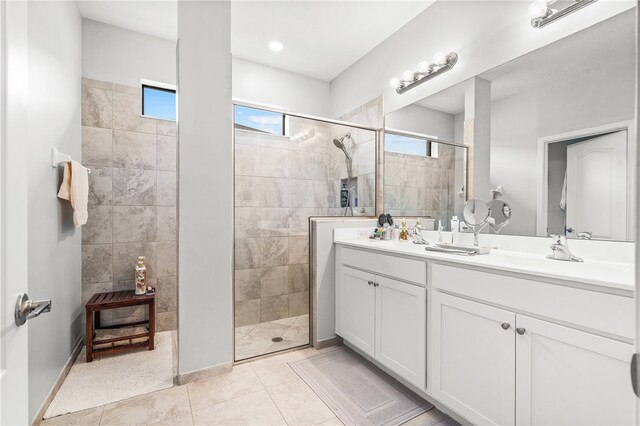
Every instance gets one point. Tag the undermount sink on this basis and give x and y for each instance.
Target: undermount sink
(464, 247)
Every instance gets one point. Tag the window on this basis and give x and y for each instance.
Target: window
(410, 145)
(259, 120)
(159, 102)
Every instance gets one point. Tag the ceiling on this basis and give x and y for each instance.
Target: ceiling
(322, 38)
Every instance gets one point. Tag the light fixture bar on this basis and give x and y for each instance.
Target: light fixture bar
(554, 15)
(431, 71)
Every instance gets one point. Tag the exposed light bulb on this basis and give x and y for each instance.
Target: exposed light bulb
(423, 66)
(440, 59)
(276, 45)
(395, 83)
(407, 75)
(538, 9)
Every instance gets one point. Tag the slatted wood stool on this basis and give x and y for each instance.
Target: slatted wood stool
(112, 300)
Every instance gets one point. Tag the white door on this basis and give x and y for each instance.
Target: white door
(597, 187)
(474, 358)
(357, 308)
(401, 329)
(13, 211)
(569, 377)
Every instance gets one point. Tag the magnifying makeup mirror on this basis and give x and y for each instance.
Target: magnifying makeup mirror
(475, 214)
(499, 214)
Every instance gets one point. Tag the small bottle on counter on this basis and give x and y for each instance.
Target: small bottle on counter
(141, 277)
(404, 231)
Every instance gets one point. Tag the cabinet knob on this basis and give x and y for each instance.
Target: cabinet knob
(520, 330)
(505, 325)
(370, 282)
(376, 284)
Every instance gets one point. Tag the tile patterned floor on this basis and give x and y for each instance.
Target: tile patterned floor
(263, 392)
(254, 340)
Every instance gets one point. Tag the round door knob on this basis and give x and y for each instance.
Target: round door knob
(505, 325)
(520, 331)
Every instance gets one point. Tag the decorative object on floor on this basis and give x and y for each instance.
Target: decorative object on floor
(113, 300)
(357, 391)
(115, 378)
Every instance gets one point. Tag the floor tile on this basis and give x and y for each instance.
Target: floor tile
(90, 416)
(332, 422)
(276, 370)
(170, 406)
(255, 340)
(430, 418)
(239, 382)
(254, 409)
(299, 404)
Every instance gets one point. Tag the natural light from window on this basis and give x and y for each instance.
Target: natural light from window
(406, 145)
(258, 120)
(159, 103)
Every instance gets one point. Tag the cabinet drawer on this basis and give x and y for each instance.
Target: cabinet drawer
(386, 264)
(608, 313)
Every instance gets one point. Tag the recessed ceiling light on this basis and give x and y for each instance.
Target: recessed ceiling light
(276, 45)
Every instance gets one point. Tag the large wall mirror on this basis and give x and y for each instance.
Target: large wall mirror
(552, 133)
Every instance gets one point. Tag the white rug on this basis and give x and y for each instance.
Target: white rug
(114, 378)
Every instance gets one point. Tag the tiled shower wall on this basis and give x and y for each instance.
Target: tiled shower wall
(279, 182)
(132, 200)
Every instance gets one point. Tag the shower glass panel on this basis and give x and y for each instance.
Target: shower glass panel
(311, 168)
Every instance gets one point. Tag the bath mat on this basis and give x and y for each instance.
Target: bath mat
(358, 392)
(114, 378)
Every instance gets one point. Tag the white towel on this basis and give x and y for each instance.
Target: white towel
(75, 188)
(563, 198)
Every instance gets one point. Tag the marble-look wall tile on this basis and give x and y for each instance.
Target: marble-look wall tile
(245, 220)
(127, 110)
(307, 165)
(274, 192)
(166, 321)
(89, 82)
(97, 107)
(134, 224)
(97, 263)
(166, 127)
(273, 308)
(167, 294)
(134, 187)
(247, 193)
(125, 258)
(127, 89)
(247, 284)
(167, 188)
(247, 160)
(298, 250)
(274, 162)
(298, 303)
(298, 280)
(166, 153)
(98, 229)
(134, 150)
(301, 193)
(97, 146)
(167, 255)
(100, 186)
(247, 312)
(273, 222)
(273, 281)
(247, 253)
(89, 289)
(274, 251)
(167, 224)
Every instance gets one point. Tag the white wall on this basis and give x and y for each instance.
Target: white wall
(484, 34)
(205, 221)
(121, 56)
(267, 85)
(418, 119)
(55, 69)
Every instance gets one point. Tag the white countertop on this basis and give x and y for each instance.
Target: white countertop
(608, 275)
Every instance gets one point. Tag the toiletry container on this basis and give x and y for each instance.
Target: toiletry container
(344, 196)
(141, 277)
(404, 231)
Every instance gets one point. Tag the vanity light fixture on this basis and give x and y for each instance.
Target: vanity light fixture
(426, 71)
(541, 14)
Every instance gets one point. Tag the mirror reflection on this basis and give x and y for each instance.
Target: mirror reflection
(547, 133)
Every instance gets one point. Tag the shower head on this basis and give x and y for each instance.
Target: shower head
(340, 144)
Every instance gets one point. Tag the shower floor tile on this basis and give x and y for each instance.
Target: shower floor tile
(255, 340)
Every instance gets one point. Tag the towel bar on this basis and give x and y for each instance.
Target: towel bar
(58, 157)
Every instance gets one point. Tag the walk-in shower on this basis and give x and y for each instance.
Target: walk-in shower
(288, 168)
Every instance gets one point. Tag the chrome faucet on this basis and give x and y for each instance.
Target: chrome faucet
(561, 250)
(416, 234)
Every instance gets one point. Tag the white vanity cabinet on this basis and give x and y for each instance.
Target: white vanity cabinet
(494, 366)
(385, 318)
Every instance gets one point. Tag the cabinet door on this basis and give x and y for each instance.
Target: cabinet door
(474, 359)
(356, 303)
(401, 329)
(569, 377)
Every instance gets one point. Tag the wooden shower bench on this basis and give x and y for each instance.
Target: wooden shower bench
(113, 300)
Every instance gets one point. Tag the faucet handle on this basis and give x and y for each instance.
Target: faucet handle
(560, 239)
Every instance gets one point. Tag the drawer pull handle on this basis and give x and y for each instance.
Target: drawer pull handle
(520, 330)
(370, 282)
(505, 325)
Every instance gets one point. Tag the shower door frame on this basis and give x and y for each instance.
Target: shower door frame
(376, 201)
